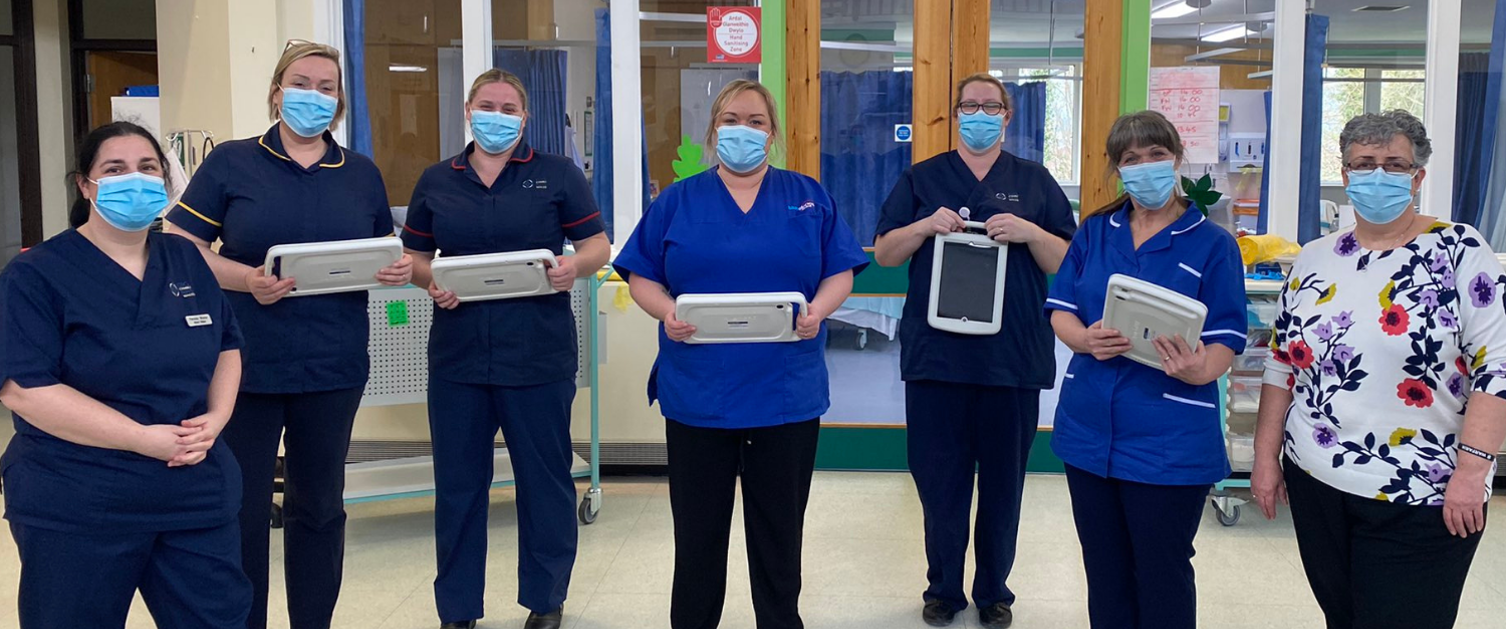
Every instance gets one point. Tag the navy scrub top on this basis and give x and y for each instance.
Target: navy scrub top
(1121, 419)
(537, 202)
(695, 239)
(70, 315)
(1022, 354)
(251, 196)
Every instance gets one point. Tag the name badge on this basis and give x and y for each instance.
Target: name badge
(198, 320)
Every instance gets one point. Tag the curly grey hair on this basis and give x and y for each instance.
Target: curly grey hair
(1379, 129)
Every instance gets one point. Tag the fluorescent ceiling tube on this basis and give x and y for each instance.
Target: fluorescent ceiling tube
(1230, 34)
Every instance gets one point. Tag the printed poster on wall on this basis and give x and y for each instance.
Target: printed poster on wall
(1188, 97)
(733, 35)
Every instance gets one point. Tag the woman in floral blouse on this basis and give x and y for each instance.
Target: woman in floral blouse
(1387, 333)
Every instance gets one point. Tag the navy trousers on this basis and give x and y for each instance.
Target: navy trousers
(957, 431)
(535, 424)
(314, 430)
(1137, 549)
(188, 579)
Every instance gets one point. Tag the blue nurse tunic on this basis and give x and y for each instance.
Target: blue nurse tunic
(695, 239)
(147, 348)
(252, 196)
(1121, 419)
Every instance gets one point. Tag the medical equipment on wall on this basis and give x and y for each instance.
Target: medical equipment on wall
(333, 267)
(967, 281)
(1142, 312)
(741, 317)
(496, 275)
(190, 146)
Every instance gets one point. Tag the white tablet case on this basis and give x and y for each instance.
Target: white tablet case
(960, 297)
(338, 266)
(741, 317)
(496, 275)
(1142, 311)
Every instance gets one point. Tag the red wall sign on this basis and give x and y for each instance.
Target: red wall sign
(733, 35)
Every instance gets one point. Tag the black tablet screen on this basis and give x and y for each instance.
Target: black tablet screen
(967, 287)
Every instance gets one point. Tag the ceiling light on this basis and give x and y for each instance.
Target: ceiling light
(1230, 34)
(1376, 8)
(1178, 8)
(406, 68)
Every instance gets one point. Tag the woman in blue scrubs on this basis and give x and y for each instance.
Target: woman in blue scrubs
(306, 359)
(120, 359)
(740, 410)
(1143, 446)
(508, 363)
(972, 402)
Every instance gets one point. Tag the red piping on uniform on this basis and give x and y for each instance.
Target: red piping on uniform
(410, 229)
(581, 221)
(524, 160)
(455, 163)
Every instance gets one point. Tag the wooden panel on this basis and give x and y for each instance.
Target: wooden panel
(803, 87)
(113, 72)
(970, 50)
(933, 73)
(1102, 41)
(1231, 77)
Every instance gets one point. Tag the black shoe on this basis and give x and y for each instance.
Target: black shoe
(550, 620)
(937, 614)
(459, 624)
(996, 616)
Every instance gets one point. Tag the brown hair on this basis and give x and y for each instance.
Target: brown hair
(497, 75)
(731, 91)
(1139, 129)
(983, 77)
(298, 49)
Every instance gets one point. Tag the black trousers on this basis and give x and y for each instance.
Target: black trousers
(775, 464)
(1375, 564)
(314, 429)
(957, 433)
(1137, 550)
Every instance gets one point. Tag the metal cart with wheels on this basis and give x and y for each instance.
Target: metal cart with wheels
(1240, 393)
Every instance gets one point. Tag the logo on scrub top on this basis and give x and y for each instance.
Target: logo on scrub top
(1007, 197)
(808, 205)
(541, 184)
(184, 290)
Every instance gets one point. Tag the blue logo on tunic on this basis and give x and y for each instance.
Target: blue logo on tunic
(184, 290)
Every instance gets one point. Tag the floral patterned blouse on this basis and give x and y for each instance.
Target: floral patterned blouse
(1381, 350)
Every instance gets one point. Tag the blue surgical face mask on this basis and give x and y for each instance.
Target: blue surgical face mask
(1379, 197)
(1150, 185)
(494, 131)
(130, 202)
(741, 148)
(307, 112)
(981, 131)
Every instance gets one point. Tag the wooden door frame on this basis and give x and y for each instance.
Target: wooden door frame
(79, 47)
(23, 42)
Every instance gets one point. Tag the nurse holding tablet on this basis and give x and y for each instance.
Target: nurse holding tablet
(507, 364)
(749, 410)
(120, 360)
(972, 401)
(306, 357)
(1144, 445)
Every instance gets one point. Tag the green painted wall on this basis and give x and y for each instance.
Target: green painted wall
(773, 71)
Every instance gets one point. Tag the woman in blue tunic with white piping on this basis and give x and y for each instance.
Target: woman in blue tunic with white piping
(1143, 446)
(120, 360)
(740, 409)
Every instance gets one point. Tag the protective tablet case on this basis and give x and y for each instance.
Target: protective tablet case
(741, 317)
(1142, 311)
(496, 275)
(333, 267)
(967, 282)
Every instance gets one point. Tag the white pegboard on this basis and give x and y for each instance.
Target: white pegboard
(400, 353)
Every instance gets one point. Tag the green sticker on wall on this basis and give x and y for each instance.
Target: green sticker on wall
(397, 313)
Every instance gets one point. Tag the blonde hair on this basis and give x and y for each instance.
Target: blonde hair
(497, 75)
(730, 92)
(295, 51)
(983, 77)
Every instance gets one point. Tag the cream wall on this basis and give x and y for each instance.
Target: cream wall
(54, 112)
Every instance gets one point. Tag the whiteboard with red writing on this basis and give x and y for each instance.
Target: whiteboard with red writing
(1188, 97)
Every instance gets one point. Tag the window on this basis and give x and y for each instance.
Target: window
(1061, 152)
(1402, 89)
(1349, 92)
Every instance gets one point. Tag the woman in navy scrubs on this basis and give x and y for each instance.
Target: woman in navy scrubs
(1143, 446)
(508, 363)
(972, 402)
(120, 359)
(739, 409)
(305, 358)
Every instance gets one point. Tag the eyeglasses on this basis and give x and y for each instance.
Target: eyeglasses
(295, 42)
(1395, 166)
(991, 108)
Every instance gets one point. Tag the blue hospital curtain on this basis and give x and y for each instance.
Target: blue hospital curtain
(1026, 135)
(1474, 132)
(1310, 180)
(601, 142)
(1494, 181)
(357, 116)
(543, 73)
(860, 160)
